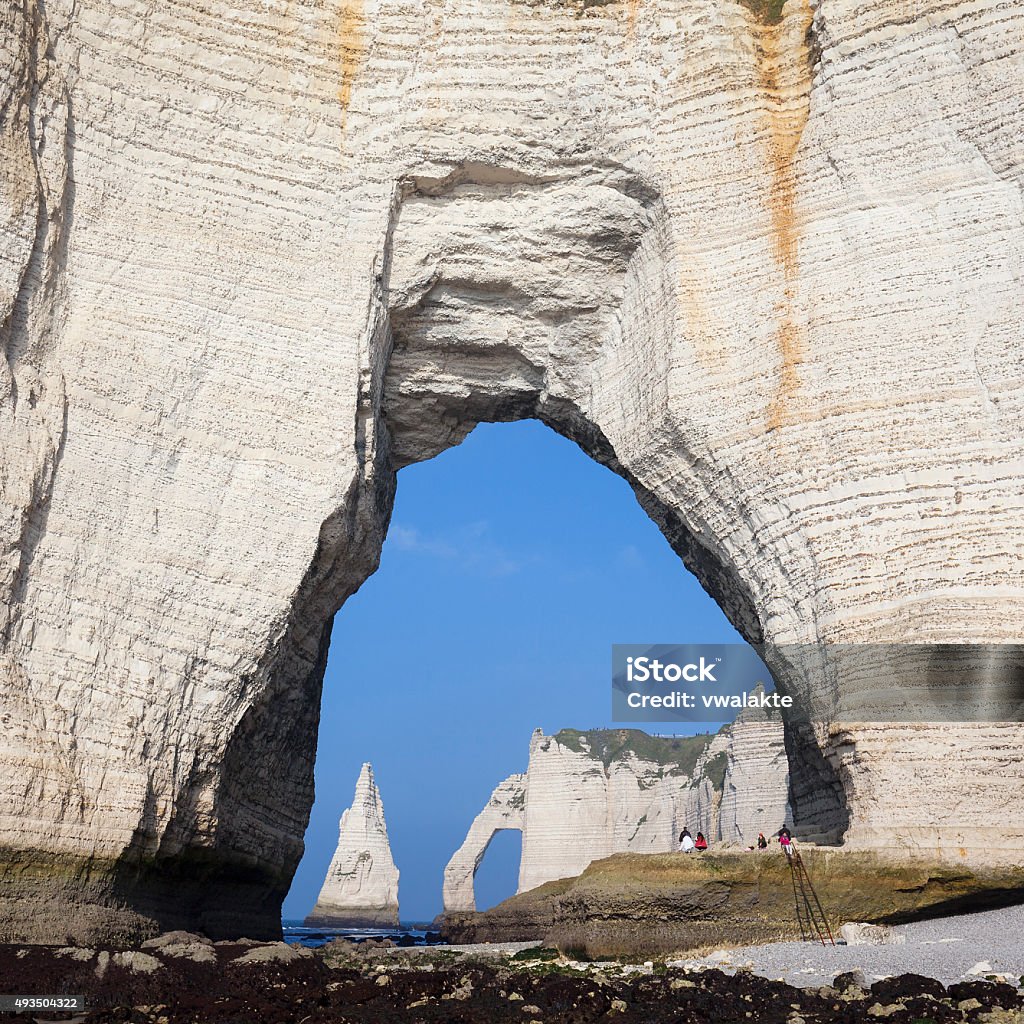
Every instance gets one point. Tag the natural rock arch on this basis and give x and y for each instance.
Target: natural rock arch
(479, 332)
(787, 311)
(503, 812)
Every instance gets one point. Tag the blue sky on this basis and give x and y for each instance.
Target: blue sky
(512, 564)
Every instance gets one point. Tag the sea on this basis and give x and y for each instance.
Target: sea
(412, 934)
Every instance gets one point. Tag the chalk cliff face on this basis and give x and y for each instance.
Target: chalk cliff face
(755, 793)
(361, 887)
(254, 259)
(588, 795)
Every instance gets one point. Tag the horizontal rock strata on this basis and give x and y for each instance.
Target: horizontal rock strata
(586, 795)
(505, 810)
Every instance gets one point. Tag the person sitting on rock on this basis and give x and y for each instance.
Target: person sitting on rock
(685, 841)
(762, 843)
(785, 840)
(700, 843)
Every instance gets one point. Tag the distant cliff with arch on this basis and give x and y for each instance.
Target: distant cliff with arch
(587, 795)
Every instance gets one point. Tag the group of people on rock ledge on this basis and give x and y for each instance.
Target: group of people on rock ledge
(687, 843)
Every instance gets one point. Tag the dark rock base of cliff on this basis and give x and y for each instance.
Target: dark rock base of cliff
(314, 990)
(47, 897)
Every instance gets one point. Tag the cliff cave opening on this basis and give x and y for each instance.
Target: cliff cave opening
(501, 296)
(706, 272)
(512, 562)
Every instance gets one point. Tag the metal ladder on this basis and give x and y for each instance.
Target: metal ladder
(809, 912)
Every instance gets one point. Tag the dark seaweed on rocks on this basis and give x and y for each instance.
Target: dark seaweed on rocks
(442, 987)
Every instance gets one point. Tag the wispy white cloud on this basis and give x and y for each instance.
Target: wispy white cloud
(410, 539)
(470, 546)
(630, 558)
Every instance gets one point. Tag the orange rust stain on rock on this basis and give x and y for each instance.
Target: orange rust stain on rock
(790, 339)
(783, 66)
(351, 43)
(632, 9)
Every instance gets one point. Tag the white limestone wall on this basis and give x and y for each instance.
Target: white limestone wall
(574, 808)
(752, 801)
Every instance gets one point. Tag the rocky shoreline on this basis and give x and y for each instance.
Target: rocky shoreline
(181, 978)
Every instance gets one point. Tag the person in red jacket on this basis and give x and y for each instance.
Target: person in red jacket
(700, 843)
(785, 841)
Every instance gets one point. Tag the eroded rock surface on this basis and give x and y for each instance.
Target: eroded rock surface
(490, 987)
(630, 904)
(252, 260)
(505, 810)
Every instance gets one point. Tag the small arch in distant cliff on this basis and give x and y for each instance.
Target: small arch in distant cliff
(504, 811)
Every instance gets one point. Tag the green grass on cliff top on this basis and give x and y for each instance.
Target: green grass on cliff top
(768, 12)
(677, 753)
(714, 770)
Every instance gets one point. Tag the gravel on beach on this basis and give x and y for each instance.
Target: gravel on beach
(989, 942)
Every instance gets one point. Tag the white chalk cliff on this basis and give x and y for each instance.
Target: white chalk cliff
(255, 258)
(589, 795)
(361, 887)
(754, 792)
